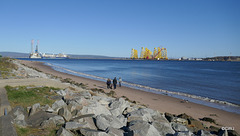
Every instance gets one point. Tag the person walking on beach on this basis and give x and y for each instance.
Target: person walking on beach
(109, 84)
(120, 81)
(115, 83)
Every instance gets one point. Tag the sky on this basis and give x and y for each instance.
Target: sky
(190, 28)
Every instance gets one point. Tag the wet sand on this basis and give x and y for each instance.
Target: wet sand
(162, 103)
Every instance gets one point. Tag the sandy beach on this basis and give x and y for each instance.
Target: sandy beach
(162, 103)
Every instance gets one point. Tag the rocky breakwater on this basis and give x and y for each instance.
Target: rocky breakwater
(95, 114)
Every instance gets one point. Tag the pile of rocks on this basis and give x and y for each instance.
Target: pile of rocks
(26, 72)
(90, 114)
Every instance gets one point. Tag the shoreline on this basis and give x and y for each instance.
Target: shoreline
(214, 103)
(162, 103)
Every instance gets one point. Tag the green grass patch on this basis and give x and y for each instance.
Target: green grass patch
(6, 67)
(27, 96)
(36, 131)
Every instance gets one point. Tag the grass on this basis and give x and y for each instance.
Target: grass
(36, 131)
(6, 67)
(27, 96)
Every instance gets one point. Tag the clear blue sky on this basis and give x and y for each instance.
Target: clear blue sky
(191, 28)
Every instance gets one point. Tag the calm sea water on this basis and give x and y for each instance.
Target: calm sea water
(216, 80)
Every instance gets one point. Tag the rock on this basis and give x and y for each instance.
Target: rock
(19, 116)
(47, 108)
(56, 97)
(181, 121)
(105, 121)
(91, 132)
(114, 131)
(140, 114)
(196, 124)
(118, 106)
(96, 109)
(58, 120)
(36, 119)
(222, 132)
(48, 124)
(129, 109)
(85, 94)
(35, 108)
(159, 117)
(163, 128)
(208, 120)
(58, 105)
(186, 133)
(81, 101)
(63, 132)
(74, 106)
(65, 113)
(169, 117)
(203, 133)
(143, 128)
(73, 125)
(61, 92)
(178, 127)
(87, 120)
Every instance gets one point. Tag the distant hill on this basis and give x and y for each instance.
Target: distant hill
(14, 54)
(71, 56)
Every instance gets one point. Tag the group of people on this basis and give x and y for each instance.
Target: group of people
(115, 81)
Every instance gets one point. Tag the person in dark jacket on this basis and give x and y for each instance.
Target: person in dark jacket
(115, 82)
(109, 84)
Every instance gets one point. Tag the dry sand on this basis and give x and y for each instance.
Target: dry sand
(159, 102)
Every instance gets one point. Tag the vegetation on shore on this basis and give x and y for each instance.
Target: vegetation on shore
(6, 68)
(26, 96)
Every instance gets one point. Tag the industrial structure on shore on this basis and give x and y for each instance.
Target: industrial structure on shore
(37, 55)
(158, 53)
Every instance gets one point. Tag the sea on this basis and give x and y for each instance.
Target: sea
(211, 83)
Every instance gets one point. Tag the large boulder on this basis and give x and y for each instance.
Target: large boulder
(178, 127)
(114, 131)
(73, 125)
(48, 124)
(58, 105)
(64, 112)
(105, 121)
(61, 92)
(35, 108)
(85, 94)
(140, 114)
(118, 106)
(47, 108)
(95, 108)
(36, 119)
(58, 120)
(87, 120)
(163, 128)
(143, 128)
(63, 132)
(19, 116)
(92, 132)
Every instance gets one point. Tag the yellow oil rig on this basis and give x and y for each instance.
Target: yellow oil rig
(158, 53)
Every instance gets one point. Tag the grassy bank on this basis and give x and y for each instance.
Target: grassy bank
(6, 67)
(27, 96)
